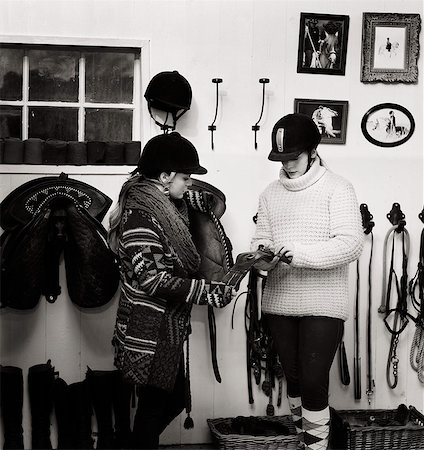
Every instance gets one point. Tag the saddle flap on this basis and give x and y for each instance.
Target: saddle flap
(26, 201)
(23, 264)
(92, 273)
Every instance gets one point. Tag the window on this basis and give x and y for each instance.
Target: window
(69, 92)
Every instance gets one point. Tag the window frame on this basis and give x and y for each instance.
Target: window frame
(141, 125)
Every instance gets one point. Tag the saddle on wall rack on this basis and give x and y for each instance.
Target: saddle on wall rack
(42, 219)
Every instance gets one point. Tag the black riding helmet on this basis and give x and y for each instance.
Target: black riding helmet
(169, 153)
(292, 135)
(170, 92)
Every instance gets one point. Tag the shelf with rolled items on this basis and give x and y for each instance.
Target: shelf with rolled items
(34, 152)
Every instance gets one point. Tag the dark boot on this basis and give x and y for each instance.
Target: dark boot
(80, 413)
(122, 411)
(62, 413)
(101, 384)
(11, 402)
(40, 386)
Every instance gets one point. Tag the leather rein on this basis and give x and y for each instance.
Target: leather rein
(396, 319)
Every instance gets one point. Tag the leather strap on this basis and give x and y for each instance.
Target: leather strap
(399, 313)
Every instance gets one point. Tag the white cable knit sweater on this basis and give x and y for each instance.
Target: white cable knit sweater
(318, 217)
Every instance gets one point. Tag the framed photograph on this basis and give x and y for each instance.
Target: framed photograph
(329, 115)
(390, 47)
(322, 43)
(387, 125)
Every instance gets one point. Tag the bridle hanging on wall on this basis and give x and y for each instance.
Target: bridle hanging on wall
(399, 315)
(256, 127)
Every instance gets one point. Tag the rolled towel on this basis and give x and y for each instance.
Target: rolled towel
(77, 153)
(13, 151)
(33, 151)
(95, 152)
(132, 152)
(115, 153)
(55, 152)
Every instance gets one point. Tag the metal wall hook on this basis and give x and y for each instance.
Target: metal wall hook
(421, 215)
(256, 127)
(212, 127)
(396, 217)
(367, 217)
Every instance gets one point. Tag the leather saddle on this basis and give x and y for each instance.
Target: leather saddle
(43, 219)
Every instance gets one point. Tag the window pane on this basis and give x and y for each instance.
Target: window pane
(11, 121)
(109, 77)
(53, 75)
(108, 125)
(11, 74)
(53, 123)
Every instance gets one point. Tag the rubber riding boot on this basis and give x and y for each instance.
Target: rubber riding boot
(40, 386)
(61, 409)
(11, 402)
(80, 413)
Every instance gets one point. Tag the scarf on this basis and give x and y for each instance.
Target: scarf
(146, 197)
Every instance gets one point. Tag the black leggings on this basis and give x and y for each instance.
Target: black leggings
(306, 347)
(156, 410)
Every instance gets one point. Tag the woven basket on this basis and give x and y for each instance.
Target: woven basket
(221, 432)
(365, 432)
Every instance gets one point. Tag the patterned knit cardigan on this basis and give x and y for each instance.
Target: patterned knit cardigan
(155, 303)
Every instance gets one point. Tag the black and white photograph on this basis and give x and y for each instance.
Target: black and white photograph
(211, 225)
(388, 125)
(322, 43)
(330, 117)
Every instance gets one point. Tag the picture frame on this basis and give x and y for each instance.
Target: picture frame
(330, 117)
(390, 47)
(387, 125)
(322, 45)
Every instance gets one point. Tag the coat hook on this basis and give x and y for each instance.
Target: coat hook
(256, 127)
(212, 127)
(396, 217)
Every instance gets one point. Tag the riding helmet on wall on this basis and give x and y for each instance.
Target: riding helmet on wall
(170, 92)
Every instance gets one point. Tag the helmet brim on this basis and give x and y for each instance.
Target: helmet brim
(280, 156)
(199, 170)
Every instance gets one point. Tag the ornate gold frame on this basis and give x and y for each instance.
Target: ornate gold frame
(412, 25)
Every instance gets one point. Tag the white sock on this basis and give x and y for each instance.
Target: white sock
(316, 427)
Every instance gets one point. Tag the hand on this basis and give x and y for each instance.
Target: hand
(217, 294)
(285, 254)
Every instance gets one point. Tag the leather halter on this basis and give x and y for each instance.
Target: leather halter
(399, 312)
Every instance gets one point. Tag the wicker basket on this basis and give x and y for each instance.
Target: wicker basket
(367, 430)
(221, 430)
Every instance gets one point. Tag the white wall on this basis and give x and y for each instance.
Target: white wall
(239, 41)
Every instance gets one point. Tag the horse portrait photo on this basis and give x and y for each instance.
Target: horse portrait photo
(322, 43)
(389, 48)
(330, 117)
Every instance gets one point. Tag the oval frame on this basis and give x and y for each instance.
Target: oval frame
(383, 106)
